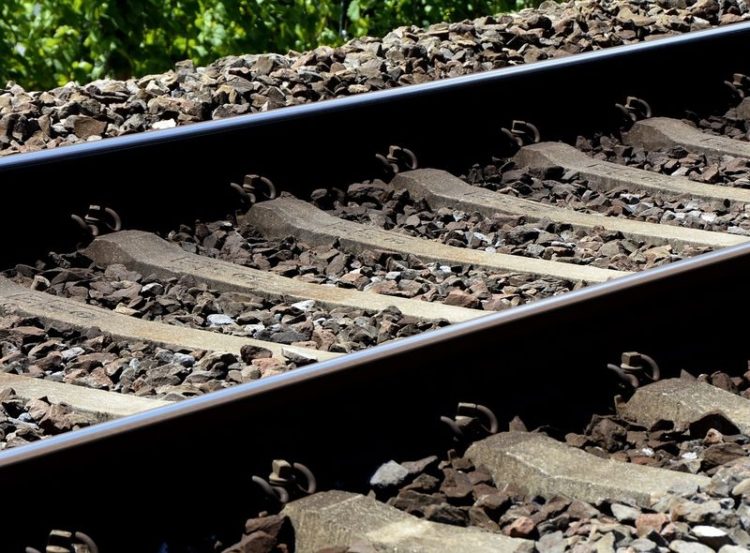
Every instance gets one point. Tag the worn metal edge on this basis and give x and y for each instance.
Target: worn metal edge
(207, 128)
(352, 361)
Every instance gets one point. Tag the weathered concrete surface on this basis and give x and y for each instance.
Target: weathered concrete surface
(547, 467)
(743, 110)
(441, 189)
(606, 176)
(663, 132)
(685, 401)
(292, 217)
(337, 518)
(148, 254)
(52, 309)
(106, 405)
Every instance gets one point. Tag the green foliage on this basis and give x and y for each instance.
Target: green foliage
(46, 43)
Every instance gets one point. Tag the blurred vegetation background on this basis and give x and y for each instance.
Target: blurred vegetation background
(46, 43)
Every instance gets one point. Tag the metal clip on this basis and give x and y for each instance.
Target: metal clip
(397, 159)
(253, 188)
(286, 481)
(521, 133)
(632, 366)
(739, 86)
(97, 220)
(468, 423)
(634, 109)
(63, 541)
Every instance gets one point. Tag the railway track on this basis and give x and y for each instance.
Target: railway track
(216, 306)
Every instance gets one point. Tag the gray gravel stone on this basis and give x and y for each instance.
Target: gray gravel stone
(220, 320)
(733, 549)
(643, 545)
(681, 546)
(711, 536)
(742, 488)
(554, 542)
(72, 353)
(625, 513)
(390, 474)
(606, 544)
(305, 306)
(184, 359)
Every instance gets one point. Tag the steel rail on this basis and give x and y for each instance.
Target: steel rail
(331, 416)
(167, 177)
(185, 468)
